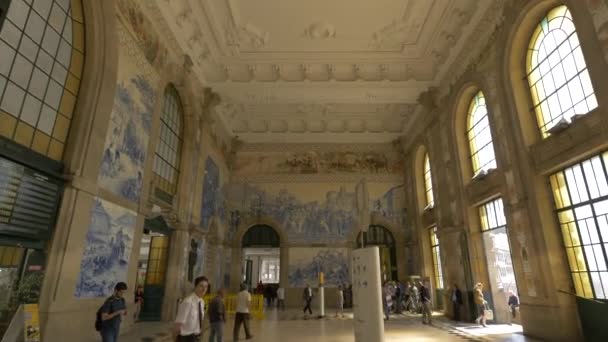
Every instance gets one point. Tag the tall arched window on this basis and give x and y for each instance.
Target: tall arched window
(166, 161)
(480, 137)
(557, 74)
(41, 62)
(428, 182)
(436, 253)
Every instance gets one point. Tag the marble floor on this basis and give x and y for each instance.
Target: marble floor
(291, 326)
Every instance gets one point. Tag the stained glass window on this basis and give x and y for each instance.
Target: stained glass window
(557, 74)
(166, 161)
(480, 137)
(41, 61)
(581, 198)
(428, 181)
(436, 257)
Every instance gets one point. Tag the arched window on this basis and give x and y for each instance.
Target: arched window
(41, 62)
(428, 182)
(480, 137)
(557, 74)
(436, 253)
(166, 161)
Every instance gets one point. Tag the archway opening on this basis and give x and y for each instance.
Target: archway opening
(380, 236)
(261, 263)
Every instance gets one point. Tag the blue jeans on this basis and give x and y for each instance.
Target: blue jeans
(217, 329)
(109, 334)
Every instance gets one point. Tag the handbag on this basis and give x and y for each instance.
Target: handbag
(488, 313)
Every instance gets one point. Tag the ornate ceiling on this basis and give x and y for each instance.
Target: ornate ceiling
(320, 70)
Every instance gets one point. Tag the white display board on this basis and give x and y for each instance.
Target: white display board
(367, 295)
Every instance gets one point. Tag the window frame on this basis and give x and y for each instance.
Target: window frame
(428, 182)
(169, 146)
(436, 257)
(473, 146)
(542, 107)
(560, 185)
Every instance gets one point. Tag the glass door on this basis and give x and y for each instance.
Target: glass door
(151, 274)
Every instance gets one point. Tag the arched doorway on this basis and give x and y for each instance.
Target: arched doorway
(261, 256)
(152, 267)
(380, 236)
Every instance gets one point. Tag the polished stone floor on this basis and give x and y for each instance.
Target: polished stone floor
(291, 326)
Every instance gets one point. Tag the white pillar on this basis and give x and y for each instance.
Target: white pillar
(321, 301)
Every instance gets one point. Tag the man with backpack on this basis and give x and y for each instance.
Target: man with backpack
(109, 316)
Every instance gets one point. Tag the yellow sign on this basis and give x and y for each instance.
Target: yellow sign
(321, 278)
(31, 323)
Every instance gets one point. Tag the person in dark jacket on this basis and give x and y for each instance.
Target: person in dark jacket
(111, 313)
(425, 301)
(513, 304)
(217, 317)
(456, 301)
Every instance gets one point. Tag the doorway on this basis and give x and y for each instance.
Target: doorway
(380, 236)
(152, 268)
(498, 257)
(261, 261)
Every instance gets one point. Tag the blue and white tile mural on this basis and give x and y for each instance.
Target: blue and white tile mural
(213, 202)
(107, 249)
(329, 217)
(126, 144)
(306, 263)
(391, 205)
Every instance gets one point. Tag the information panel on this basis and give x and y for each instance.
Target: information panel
(367, 295)
(28, 201)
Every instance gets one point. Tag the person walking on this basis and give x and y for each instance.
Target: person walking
(414, 296)
(243, 299)
(281, 298)
(425, 300)
(307, 299)
(340, 302)
(456, 302)
(111, 314)
(190, 313)
(513, 303)
(481, 303)
(139, 301)
(217, 317)
(385, 296)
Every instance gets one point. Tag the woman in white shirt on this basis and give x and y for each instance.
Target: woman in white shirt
(190, 313)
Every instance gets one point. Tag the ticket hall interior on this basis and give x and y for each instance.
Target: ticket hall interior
(461, 145)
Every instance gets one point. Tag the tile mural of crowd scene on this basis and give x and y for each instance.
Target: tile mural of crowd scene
(126, 144)
(327, 216)
(107, 249)
(318, 162)
(306, 263)
(391, 205)
(213, 200)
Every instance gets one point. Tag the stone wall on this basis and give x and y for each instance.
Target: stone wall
(524, 161)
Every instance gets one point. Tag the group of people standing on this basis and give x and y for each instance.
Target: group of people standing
(191, 311)
(412, 297)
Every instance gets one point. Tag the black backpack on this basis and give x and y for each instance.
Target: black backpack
(98, 320)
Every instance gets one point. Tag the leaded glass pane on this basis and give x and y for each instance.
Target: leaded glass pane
(480, 137)
(166, 163)
(557, 72)
(584, 223)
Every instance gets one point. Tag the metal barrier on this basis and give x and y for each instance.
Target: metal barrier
(256, 308)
